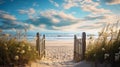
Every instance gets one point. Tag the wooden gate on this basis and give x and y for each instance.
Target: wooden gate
(79, 47)
(40, 45)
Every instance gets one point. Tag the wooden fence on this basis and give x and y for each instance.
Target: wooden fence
(40, 45)
(79, 47)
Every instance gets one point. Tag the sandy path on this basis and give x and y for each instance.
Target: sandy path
(59, 53)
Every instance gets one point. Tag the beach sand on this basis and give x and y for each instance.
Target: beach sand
(59, 53)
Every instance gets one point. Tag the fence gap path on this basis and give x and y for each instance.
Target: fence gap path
(60, 54)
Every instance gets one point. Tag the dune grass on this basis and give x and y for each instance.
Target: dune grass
(106, 48)
(15, 53)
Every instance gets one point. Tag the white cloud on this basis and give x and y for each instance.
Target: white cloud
(72, 27)
(32, 27)
(55, 4)
(57, 16)
(7, 16)
(113, 2)
(29, 12)
(70, 3)
(66, 16)
(111, 18)
(35, 4)
(90, 25)
(48, 13)
(42, 26)
(74, 3)
(80, 26)
(94, 9)
(23, 11)
(55, 20)
(86, 5)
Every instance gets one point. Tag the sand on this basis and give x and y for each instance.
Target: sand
(59, 53)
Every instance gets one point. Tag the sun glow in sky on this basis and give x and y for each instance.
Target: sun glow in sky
(58, 15)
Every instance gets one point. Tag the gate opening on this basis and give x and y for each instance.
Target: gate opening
(60, 54)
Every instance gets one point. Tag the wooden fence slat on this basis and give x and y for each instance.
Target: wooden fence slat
(83, 44)
(74, 47)
(40, 45)
(44, 44)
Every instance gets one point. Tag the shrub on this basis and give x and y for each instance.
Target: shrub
(14, 52)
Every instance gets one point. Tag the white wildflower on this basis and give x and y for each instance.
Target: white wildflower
(106, 56)
(23, 51)
(103, 49)
(94, 55)
(6, 48)
(18, 48)
(29, 48)
(116, 56)
(16, 58)
(18, 51)
(22, 45)
(119, 48)
(5, 45)
(119, 52)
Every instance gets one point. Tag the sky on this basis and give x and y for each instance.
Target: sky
(58, 15)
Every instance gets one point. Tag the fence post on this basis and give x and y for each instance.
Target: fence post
(38, 43)
(83, 45)
(44, 44)
(75, 38)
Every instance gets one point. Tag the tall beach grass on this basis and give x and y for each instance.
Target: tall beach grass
(106, 48)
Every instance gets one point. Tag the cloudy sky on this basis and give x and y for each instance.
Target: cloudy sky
(58, 15)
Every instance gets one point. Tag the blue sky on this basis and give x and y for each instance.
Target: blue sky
(58, 15)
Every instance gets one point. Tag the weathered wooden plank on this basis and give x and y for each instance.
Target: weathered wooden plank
(38, 43)
(44, 44)
(83, 45)
(74, 47)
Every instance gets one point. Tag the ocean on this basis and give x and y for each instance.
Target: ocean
(55, 36)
